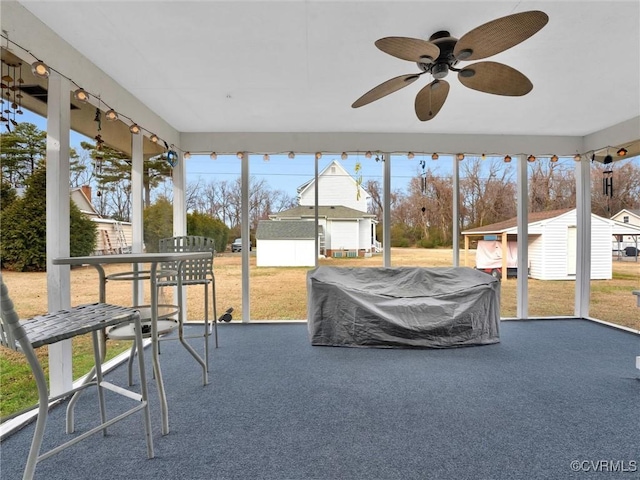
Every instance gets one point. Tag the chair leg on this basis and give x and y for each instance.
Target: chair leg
(143, 388)
(130, 362)
(215, 310)
(98, 362)
(207, 333)
(41, 422)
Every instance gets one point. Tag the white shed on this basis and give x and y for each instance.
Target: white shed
(285, 243)
(552, 243)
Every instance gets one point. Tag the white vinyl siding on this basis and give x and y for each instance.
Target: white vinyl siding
(365, 234)
(336, 187)
(548, 248)
(285, 253)
(344, 235)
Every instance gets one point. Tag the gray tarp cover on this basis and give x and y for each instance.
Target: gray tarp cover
(402, 306)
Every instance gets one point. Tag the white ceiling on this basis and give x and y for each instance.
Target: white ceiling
(297, 66)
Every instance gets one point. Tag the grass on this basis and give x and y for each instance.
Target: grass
(281, 294)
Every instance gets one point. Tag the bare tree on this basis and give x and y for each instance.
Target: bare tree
(625, 176)
(551, 186)
(488, 192)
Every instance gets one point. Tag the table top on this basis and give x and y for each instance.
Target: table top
(132, 258)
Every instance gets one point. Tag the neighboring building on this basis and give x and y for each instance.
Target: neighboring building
(629, 217)
(345, 228)
(112, 236)
(552, 243)
(286, 243)
(336, 187)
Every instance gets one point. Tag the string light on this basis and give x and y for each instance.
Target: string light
(292, 155)
(187, 155)
(531, 158)
(318, 155)
(368, 155)
(554, 158)
(622, 152)
(460, 156)
(434, 156)
(410, 155)
(40, 69)
(344, 156)
(507, 158)
(213, 155)
(577, 157)
(240, 155)
(483, 156)
(265, 157)
(81, 95)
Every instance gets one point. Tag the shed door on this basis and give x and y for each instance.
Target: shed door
(571, 250)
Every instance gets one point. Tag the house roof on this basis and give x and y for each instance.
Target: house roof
(334, 212)
(286, 230)
(505, 225)
(633, 212)
(510, 226)
(344, 173)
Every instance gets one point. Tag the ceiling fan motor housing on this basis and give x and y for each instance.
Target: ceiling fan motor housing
(446, 43)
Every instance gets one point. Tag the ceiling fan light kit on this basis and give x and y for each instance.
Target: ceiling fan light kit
(442, 53)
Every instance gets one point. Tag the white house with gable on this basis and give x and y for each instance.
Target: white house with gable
(345, 227)
(627, 217)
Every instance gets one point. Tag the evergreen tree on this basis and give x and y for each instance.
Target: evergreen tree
(205, 225)
(21, 151)
(23, 235)
(158, 223)
(113, 171)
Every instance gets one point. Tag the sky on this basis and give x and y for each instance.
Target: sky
(283, 173)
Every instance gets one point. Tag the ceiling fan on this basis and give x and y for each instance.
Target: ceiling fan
(442, 53)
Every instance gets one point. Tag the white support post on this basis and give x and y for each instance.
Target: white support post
(137, 209)
(246, 238)
(58, 224)
(456, 212)
(315, 208)
(583, 247)
(180, 198)
(522, 288)
(180, 214)
(386, 209)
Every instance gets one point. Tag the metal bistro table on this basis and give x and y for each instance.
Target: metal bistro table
(153, 259)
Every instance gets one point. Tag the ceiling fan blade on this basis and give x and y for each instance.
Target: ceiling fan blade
(496, 78)
(498, 35)
(385, 89)
(411, 49)
(430, 99)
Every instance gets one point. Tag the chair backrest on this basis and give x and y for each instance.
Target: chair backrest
(193, 270)
(11, 331)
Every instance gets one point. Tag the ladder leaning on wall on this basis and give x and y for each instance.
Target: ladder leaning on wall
(122, 246)
(106, 243)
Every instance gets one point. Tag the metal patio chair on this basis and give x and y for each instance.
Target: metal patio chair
(26, 336)
(194, 272)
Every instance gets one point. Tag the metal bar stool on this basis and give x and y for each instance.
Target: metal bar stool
(62, 325)
(194, 272)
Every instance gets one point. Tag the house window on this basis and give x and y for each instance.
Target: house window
(625, 219)
(333, 170)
